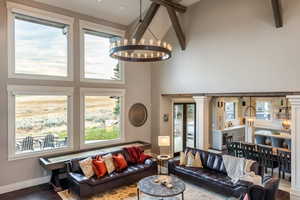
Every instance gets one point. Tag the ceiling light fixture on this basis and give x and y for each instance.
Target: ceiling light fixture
(140, 51)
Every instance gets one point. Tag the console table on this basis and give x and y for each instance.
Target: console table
(57, 163)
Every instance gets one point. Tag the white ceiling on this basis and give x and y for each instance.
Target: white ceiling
(118, 11)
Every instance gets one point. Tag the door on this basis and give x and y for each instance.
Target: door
(184, 131)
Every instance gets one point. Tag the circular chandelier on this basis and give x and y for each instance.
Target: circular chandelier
(132, 50)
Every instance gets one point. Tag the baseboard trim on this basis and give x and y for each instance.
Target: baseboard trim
(23, 184)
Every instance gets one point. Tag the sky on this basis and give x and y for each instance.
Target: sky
(42, 50)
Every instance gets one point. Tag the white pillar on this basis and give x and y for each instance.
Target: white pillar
(295, 135)
(202, 122)
(249, 133)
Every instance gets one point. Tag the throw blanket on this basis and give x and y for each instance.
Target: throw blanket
(135, 155)
(240, 169)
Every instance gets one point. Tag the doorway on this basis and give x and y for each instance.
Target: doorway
(184, 123)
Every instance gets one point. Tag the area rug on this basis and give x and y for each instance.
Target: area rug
(192, 192)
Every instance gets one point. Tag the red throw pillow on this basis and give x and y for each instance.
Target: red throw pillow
(120, 162)
(99, 167)
(144, 157)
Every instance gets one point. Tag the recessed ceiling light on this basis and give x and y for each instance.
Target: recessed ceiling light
(99, 1)
(122, 7)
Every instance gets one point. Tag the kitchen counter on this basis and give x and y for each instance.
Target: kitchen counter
(269, 134)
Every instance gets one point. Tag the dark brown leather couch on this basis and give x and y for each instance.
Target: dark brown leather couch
(213, 174)
(84, 187)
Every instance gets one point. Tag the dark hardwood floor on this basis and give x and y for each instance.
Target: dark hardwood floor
(45, 192)
(41, 192)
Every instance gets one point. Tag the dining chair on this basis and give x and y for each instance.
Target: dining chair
(284, 159)
(266, 158)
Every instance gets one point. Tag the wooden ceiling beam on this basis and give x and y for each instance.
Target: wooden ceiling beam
(146, 22)
(277, 12)
(171, 4)
(177, 27)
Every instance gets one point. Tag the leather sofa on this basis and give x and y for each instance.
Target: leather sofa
(213, 174)
(83, 187)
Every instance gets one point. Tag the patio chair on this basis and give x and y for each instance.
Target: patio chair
(26, 144)
(48, 142)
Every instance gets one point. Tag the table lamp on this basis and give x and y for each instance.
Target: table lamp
(164, 141)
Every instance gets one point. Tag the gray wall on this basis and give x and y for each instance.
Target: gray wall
(137, 87)
(232, 46)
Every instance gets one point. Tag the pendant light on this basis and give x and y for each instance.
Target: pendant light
(250, 114)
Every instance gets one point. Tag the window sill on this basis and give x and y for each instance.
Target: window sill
(101, 143)
(105, 81)
(38, 154)
(40, 77)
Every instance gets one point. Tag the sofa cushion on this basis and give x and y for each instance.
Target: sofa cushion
(115, 175)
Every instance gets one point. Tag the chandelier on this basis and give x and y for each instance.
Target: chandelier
(250, 114)
(132, 50)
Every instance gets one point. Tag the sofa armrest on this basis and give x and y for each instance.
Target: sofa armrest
(77, 177)
(173, 162)
(150, 161)
(256, 192)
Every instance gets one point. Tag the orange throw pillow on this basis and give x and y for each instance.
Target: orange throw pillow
(99, 167)
(120, 162)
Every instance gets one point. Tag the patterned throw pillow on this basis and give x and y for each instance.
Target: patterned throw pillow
(120, 162)
(99, 167)
(190, 159)
(197, 162)
(183, 159)
(109, 163)
(86, 166)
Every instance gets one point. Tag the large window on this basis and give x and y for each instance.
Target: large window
(230, 111)
(264, 110)
(102, 115)
(39, 45)
(96, 64)
(40, 119)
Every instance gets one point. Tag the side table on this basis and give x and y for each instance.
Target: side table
(162, 159)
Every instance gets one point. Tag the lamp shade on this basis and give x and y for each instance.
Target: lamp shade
(163, 141)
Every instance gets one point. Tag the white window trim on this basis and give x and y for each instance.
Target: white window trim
(36, 90)
(34, 12)
(100, 92)
(99, 28)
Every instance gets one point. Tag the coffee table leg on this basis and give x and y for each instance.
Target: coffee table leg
(182, 195)
(138, 193)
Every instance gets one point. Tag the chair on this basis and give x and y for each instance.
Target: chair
(284, 159)
(48, 142)
(27, 144)
(249, 151)
(266, 158)
(234, 149)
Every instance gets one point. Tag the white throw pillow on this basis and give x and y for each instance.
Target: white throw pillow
(109, 163)
(183, 158)
(86, 166)
(190, 159)
(197, 162)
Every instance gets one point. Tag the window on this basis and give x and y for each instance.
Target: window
(102, 116)
(263, 110)
(40, 119)
(40, 45)
(96, 64)
(230, 111)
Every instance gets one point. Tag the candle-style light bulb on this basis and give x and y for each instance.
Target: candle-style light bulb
(158, 42)
(151, 42)
(142, 41)
(165, 44)
(133, 41)
(125, 41)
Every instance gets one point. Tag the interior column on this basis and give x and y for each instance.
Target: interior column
(295, 135)
(202, 122)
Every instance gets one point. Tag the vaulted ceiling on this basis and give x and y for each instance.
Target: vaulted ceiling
(119, 11)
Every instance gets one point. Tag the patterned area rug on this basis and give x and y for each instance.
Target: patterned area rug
(192, 192)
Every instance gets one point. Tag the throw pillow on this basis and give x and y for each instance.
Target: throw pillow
(190, 159)
(197, 162)
(109, 163)
(120, 162)
(183, 159)
(99, 167)
(86, 166)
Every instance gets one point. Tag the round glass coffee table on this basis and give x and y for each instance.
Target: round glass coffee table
(149, 187)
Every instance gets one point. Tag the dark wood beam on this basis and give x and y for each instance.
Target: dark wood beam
(277, 13)
(177, 27)
(171, 4)
(146, 21)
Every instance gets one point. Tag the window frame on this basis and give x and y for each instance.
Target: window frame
(271, 110)
(44, 15)
(101, 92)
(13, 90)
(234, 109)
(98, 28)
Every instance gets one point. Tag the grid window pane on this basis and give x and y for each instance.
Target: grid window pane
(263, 110)
(98, 63)
(40, 49)
(41, 122)
(102, 118)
